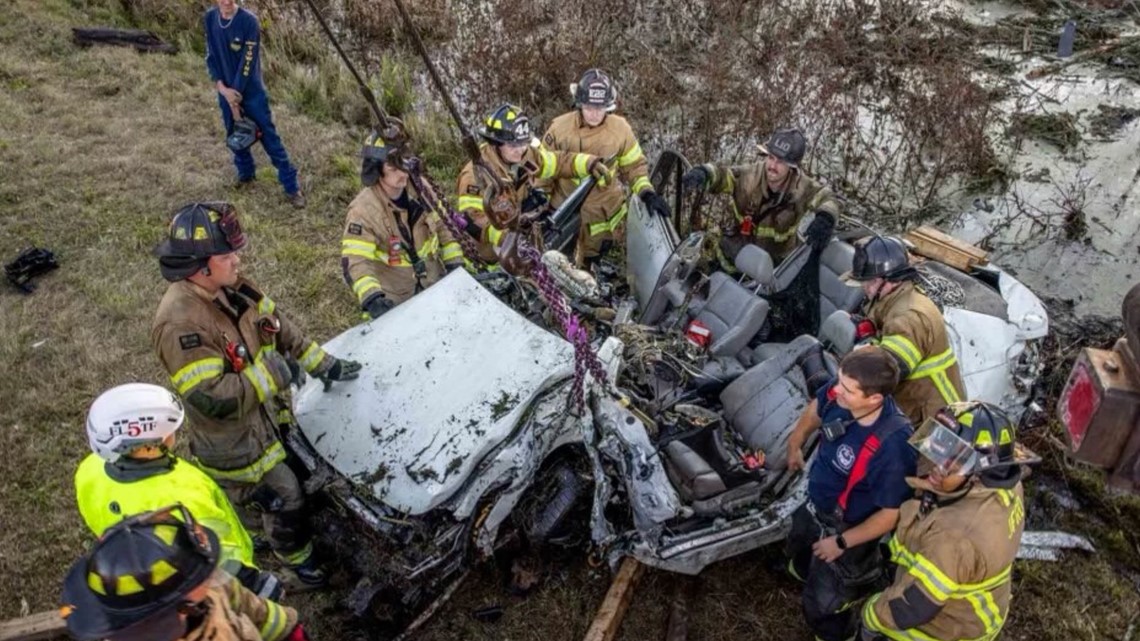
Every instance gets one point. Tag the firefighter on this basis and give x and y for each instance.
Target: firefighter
(769, 198)
(908, 325)
(394, 245)
(131, 430)
(232, 355)
(493, 202)
(593, 128)
(855, 489)
(957, 539)
(156, 577)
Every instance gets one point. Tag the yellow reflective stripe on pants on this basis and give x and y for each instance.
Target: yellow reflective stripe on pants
(904, 348)
(935, 368)
(312, 356)
(197, 371)
(631, 156)
(640, 185)
(471, 202)
(451, 251)
(365, 286)
(275, 621)
(609, 225)
(362, 248)
(262, 381)
(549, 163)
(251, 473)
(580, 161)
(298, 557)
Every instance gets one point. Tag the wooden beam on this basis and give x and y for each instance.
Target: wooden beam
(608, 619)
(40, 626)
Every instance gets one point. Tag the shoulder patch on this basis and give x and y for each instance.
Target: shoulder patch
(473, 189)
(549, 139)
(190, 341)
(355, 228)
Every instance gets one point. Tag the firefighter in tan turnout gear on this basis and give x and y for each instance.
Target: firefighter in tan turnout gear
(955, 543)
(231, 355)
(156, 577)
(908, 325)
(394, 245)
(769, 198)
(493, 202)
(593, 128)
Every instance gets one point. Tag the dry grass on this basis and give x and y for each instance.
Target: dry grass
(97, 147)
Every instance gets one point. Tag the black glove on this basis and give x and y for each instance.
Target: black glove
(340, 371)
(377, 305)
(655, 203)
(536, 199)
(695, 178)
(298, 374)
(820, 231)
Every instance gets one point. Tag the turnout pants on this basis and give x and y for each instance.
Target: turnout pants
(256, 107)
(279, 498)
(831, 590)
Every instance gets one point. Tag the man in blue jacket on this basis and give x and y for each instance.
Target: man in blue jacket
(233, 57)
(855, 488)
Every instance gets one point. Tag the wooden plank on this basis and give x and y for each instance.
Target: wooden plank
(935, 234)
(40, 626)
(612, 610)
(934, 244)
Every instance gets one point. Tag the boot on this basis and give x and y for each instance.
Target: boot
(309, 575)
(297, 199)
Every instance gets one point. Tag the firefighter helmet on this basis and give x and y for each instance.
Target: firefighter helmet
(133, 584)
(245, 133)
(596, 89)
(377, 150)
(879, 257)
(973, 438)
(130, 416)
(788, 144)
(507, 125)
(198, 231)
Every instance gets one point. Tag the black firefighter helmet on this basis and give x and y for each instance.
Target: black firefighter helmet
(596, 89)
(245, 133)
(388, 145)
(198, 231)
(506, 125)
(133, 584)
(788, 144)
(879, 257)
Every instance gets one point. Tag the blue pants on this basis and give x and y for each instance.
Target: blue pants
(256, 107)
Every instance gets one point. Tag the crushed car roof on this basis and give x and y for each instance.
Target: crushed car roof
(445, 378)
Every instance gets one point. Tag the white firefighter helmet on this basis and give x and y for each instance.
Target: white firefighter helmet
(130, 416)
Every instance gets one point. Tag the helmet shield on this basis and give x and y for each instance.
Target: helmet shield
(950, 453)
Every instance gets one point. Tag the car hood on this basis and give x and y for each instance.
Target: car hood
(446, 377)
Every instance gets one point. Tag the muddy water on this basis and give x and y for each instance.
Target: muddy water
(1025, 224)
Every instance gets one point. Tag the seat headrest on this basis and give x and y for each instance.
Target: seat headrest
(757, 263)
(838, 331)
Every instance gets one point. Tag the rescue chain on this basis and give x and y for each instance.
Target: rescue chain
(453, 220)
(584, 358)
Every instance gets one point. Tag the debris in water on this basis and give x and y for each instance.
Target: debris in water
(1058, 129)
(1110, 119)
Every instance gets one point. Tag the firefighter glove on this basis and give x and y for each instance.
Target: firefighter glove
(536, 199)
(341, 370)
(655, 203)
(820, 231)
(377, 305)
(598, 169)
(297, 374)
(695, 178)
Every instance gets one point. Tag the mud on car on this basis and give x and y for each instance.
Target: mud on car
(463, 431)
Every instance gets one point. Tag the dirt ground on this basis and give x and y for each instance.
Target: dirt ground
(99, 146)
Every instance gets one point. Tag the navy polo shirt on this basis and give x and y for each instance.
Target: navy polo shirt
(884, 486)
(233, 50)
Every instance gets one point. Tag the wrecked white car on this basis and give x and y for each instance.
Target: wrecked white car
(462, 426)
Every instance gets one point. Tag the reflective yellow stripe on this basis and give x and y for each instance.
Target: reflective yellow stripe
(580, 161)
(362, 248)
(251, 473)
(761, 231)
(382, 256)
(495, 235)
(275, 621)
(451, 251)
(631, 156)
(904, 348)
(549, 163)
(260, 378)
(194, 373)
(935, 368)
(298, 557)
(266, 305)
(729, 183)
(640, 185)
(871, 622)
(312, 356)
(609, 225)
(471, 202)
(365, 286)
(430, 246)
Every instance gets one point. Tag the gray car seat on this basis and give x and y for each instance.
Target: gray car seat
(732, 312)
(835, 259)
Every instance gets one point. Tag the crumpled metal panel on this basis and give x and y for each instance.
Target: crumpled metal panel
(446, 377)
(1047, 546)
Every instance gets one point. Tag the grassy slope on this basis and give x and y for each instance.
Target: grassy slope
(97, 147)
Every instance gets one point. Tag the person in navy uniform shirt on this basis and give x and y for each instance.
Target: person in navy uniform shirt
(233, 57)
(855, 487)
